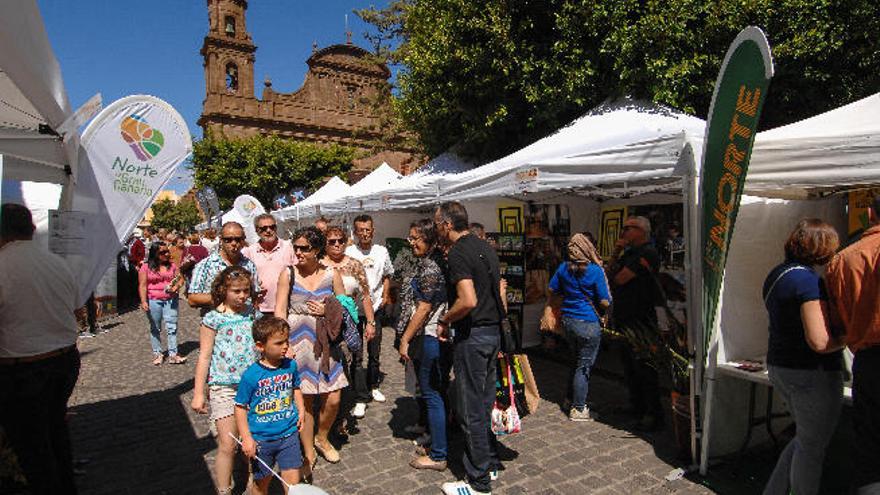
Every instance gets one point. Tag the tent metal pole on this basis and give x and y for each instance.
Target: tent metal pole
(691, 232)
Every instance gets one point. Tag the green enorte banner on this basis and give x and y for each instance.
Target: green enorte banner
(740, 92)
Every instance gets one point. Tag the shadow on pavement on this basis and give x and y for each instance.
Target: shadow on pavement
(142, 444)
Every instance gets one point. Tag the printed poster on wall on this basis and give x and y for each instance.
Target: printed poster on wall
(129, 153)
(859, 201)
(609, 229)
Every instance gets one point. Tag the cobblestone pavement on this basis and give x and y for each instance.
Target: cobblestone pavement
(132, 422)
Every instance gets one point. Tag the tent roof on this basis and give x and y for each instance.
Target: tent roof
(380, 178)
(334, 188)
(443, 164)
(31, 93)
(620, 142)
(827, 152)
(423, 182)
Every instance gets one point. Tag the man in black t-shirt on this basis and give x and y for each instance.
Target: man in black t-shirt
(474, 313)
(636, 292)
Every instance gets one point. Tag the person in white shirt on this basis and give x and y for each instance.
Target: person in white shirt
(377, 264)
(39, 362)
(209, 239)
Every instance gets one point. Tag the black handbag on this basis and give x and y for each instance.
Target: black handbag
(509, 344)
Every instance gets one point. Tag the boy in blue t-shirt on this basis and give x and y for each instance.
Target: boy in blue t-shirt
(269, 406)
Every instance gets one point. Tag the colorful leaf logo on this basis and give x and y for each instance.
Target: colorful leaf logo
(145, 141)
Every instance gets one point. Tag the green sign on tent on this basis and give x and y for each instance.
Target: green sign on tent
(740, 92)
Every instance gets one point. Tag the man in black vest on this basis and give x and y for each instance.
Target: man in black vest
(474, 316)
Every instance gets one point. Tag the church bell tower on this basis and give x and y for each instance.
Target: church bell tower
(228, 51)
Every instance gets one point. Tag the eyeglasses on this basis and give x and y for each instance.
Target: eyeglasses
(414, 238)
(300, 247)
(334, 242)
(266, 228)
(230, 240)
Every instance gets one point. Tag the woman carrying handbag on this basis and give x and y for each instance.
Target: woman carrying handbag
(576, 289)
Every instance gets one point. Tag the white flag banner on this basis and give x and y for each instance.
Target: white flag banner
(244, 210)
(129, 152)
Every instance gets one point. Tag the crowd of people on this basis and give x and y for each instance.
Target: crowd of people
(273, 317)
(286, 325)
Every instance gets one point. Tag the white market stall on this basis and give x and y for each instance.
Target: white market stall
(806, 162)
(618, 152)
(40, 142)
(34, 106)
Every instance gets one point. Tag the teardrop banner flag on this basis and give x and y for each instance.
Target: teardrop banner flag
(129, 153)
(739, 95)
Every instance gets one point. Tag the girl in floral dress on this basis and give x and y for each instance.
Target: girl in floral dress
(226, 349)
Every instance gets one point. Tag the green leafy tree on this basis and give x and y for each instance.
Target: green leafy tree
(495, 75)
(182, 216)
(264, 166)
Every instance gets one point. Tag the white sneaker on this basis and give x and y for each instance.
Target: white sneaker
(378, 396)
(493, 475)
(460, 488)
(360, 410)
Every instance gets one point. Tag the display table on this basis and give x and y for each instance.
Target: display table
(756, 378)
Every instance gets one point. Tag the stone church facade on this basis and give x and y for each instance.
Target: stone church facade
(336, 103)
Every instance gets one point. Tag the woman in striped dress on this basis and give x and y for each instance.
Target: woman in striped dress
(301, 303)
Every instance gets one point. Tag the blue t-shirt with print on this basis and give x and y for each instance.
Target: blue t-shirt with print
(267, 394)
(575, 286)
(234, 348)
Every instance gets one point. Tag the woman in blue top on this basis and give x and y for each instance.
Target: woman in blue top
(803, 357)
(579, 286)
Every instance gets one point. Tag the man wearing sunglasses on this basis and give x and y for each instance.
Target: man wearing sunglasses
(231, 242)
(633, 276)
(271, 256)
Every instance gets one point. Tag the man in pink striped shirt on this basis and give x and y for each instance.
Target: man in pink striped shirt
(271, 255)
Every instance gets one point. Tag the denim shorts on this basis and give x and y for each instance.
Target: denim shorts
(285, 451)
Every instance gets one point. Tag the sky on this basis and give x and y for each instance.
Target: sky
(121, 47)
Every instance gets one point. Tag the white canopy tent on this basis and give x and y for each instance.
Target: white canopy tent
(423, 183)
(831, 152)
(32, 99)
(381, 177)
(334, 189)
(628, 148)
(828, 152)
(622, 146)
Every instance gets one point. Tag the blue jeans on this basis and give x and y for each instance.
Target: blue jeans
(163, 311)
(584, 337)
(814, 398)
(475, 360)
(431, 381)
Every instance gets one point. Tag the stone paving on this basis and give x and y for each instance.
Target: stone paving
(132, 422)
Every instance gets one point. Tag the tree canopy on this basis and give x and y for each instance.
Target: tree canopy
(495, 75)
(181, 216)
(264, 166)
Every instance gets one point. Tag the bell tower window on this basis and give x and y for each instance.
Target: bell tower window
(229, 22)
(231, 78)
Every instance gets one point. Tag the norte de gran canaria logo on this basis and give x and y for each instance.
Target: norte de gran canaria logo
(145, 141)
